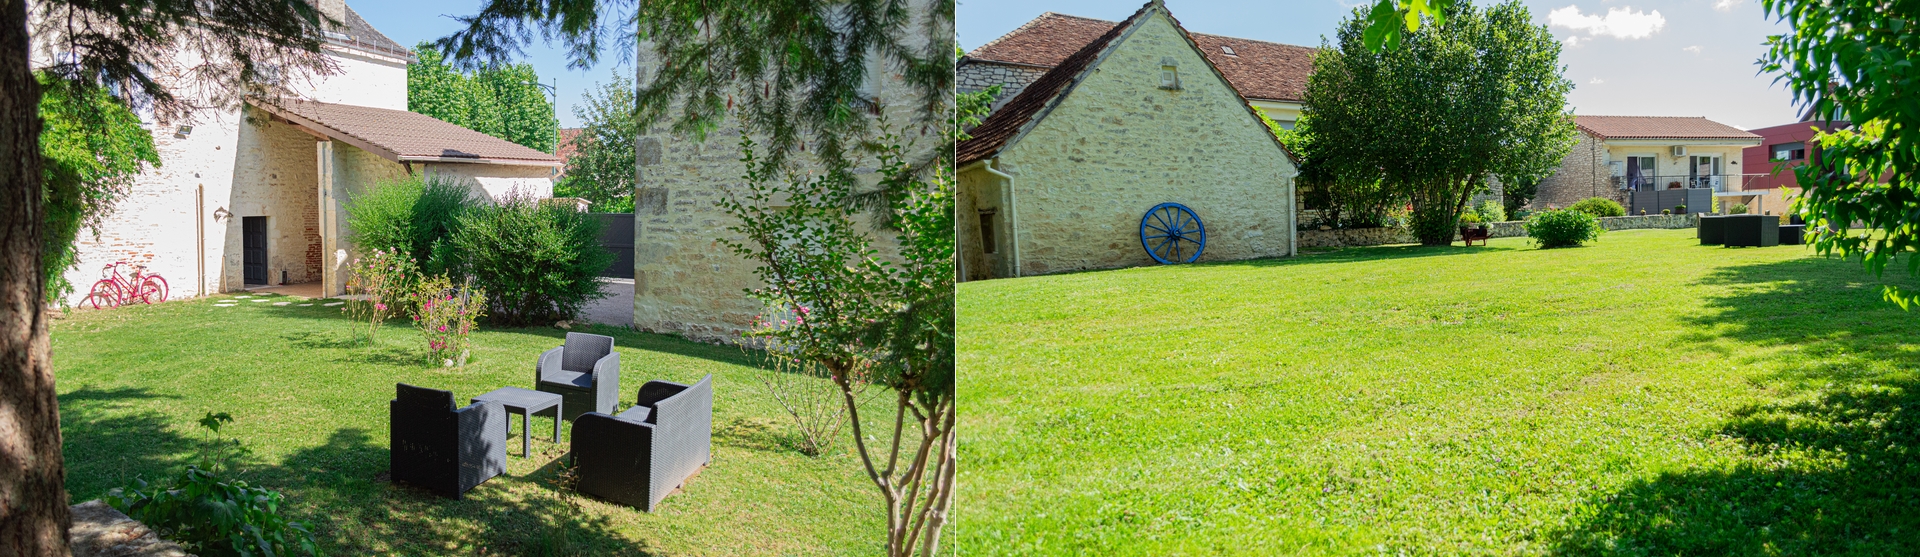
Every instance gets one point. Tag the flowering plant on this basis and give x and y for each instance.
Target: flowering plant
(381, 276)
(445, 315)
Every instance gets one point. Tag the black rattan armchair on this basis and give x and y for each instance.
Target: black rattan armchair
(641, 455)
(585, 372)
(444, 450)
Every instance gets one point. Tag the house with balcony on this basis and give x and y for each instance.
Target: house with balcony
(1650, 163)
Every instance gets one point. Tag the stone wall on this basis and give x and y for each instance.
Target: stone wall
(275, 177)
(1354, 237)
(975, 75)
(1582, 174)
(685, 281)
(1118, 144)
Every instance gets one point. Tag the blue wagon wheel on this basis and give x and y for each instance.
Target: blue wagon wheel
(1171, 233)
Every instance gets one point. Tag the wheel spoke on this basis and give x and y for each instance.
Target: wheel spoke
(1159, 229)
(1160, 215)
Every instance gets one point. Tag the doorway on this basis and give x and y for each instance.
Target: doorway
(253, 249)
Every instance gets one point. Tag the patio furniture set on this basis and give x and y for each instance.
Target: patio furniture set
(1748, 231)
(636, 457)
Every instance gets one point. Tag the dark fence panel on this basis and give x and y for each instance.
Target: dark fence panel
(616, 236)
(1697, 200)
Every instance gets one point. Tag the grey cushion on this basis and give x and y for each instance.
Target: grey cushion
(583, 350)
(574, 378)
(636, 414)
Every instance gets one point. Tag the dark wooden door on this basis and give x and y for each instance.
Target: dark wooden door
(253, 249)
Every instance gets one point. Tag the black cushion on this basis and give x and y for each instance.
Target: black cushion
(422, 397)
(637, 414)
(569, 378)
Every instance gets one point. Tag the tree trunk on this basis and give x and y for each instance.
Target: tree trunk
(33, 496)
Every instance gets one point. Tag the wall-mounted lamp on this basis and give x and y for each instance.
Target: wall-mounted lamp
(183, 131)
(221, 214)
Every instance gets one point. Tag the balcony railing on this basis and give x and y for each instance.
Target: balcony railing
(1719, 183)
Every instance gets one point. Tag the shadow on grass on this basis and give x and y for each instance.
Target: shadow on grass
(106, 446)
(1833, 468)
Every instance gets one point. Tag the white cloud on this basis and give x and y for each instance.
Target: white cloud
(1573, 42)
(1694, 49)
(1619, 23)
(1596, 81)
(1725, 5)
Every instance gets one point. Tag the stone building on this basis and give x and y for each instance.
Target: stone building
(1059, 177)
(252, 195)
(1272, 76)
(685, 282)
(1617, 156)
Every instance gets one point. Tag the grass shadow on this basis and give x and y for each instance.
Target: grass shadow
(1830, 465)
(106, 445)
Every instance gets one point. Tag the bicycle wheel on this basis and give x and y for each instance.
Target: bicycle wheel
(153, 290)
(105, 294)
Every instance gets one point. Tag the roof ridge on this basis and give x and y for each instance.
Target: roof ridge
(1253, 40)
(1013, 118)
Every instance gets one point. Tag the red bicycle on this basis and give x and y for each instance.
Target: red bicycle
(116, 289)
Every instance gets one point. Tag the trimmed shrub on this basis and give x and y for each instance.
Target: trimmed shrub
(537, 263)
(1666, 212)
(1737, 209)
(1599, 207)
(1563, 228)
(415, 216)
(1679, 209)
(1493, 211)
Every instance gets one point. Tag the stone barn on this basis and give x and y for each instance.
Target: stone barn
(1060, 177)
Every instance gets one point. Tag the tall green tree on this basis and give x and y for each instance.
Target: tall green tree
(180, 56)
(601, 168)
(1855, 59)
(1432, 119)
(504, 101)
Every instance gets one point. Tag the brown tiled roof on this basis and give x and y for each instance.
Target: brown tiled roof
(403, 136)
(1658, 127)
(993, 133)
(1258, 69)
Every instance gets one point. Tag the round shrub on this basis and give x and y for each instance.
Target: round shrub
(415, 216)
(1469, 218)
(537, 263)
(1599, 207)
(1737, 209)
(1562, 228)
(1679, 209)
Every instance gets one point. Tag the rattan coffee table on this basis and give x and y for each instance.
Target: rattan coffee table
(527, 403)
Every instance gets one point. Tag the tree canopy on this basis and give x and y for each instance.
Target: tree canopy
(1855, 59)
(93, 148)
(1432, 120)
(601, 168)
(505, 101)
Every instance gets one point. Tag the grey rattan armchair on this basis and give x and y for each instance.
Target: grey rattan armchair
(641, 455)
(444, 450)
(585, 372)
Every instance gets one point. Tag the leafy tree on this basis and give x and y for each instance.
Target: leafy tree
(1387, 19)
(174, 56)
(1855, 59)
(504, 101)
(93, 148)
(601, 168)
(1432, 119)
(1516, 193)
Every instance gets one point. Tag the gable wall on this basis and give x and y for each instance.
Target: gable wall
(1118, 144)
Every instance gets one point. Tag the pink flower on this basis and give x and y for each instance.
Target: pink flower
(381, 307)
(443, 328)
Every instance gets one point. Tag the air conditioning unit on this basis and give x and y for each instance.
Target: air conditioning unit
(1678, 150)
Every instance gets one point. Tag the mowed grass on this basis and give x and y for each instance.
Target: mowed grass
(1640, 396)
(311, 403)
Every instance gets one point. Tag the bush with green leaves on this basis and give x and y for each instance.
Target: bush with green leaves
(1599, 207)
(209, 514)
(538, 263)
(414, 215)
(1737, 209)
(1469, 218)
(1679, 209)
(1562, 228)
(1492, 211)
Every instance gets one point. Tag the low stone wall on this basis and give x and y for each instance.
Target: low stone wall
(1353, 237)
(100, 531)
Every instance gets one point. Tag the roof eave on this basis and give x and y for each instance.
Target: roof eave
(556, 163)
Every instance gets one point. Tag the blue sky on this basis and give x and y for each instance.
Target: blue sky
(1625, 57)
(411, 21)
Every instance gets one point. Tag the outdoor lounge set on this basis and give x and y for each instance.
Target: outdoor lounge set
(1747, 231)
(635, 457)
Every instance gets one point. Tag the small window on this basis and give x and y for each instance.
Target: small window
(986, 231)
(1789, 151)
(1228, 50)
(1169, 73)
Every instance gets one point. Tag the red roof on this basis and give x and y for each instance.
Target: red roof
(400, 135)
(1659, 127)
(1258, 69)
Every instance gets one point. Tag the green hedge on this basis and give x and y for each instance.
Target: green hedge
(1562, 228)
(1599, 207)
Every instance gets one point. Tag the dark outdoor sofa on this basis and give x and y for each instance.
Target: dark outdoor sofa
(641, 455)
(585, 372)
(441, 449)
(1740, 230)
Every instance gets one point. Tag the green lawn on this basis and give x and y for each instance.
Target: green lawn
(312, 405)
(1640, 396)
